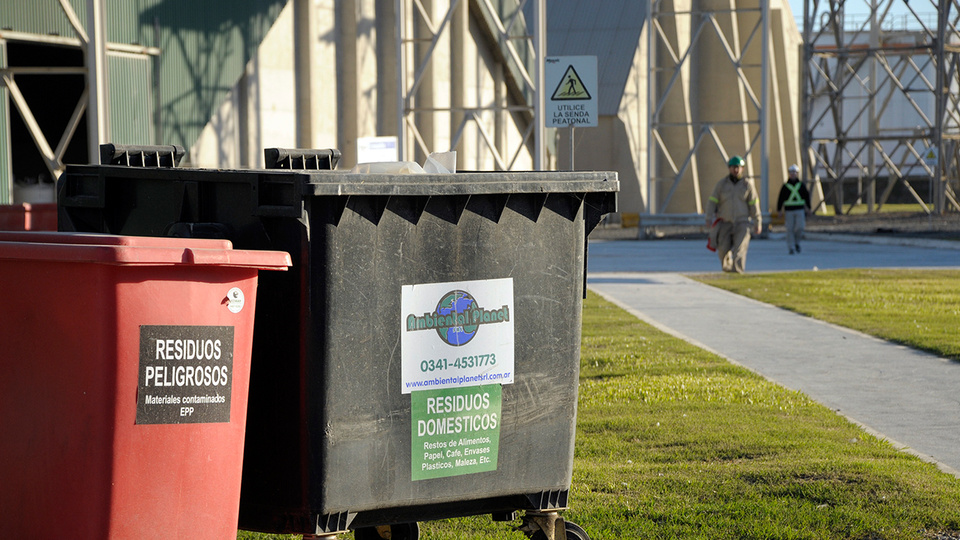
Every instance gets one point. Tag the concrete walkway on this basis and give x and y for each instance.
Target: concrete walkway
(908, 397)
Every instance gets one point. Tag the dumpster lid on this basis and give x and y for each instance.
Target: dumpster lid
(75, 191)
(461, 183)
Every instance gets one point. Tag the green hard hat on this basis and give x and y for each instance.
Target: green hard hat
(736, 161)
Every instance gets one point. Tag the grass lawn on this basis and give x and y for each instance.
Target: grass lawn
(918, 308)
(674, 442)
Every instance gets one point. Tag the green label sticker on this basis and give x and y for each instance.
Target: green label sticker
(455, 431)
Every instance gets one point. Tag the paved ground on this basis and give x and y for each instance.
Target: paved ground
(908, 397)
(820, 252)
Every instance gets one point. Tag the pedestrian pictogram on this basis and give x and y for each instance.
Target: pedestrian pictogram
(571, 87)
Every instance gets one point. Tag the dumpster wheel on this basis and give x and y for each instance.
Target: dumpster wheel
(572, 530)
(399, 531)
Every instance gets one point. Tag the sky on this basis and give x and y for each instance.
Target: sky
(898, 11)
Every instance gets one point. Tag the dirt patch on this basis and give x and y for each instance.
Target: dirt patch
(945, 226)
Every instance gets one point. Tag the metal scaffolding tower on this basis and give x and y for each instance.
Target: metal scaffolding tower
(425, 28)
(880, 108)
(694, 49)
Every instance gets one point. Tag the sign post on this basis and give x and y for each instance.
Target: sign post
(571, 83)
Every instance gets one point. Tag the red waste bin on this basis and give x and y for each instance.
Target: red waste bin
(124, 371)
(28, 217)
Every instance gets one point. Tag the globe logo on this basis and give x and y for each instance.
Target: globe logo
(457, 304)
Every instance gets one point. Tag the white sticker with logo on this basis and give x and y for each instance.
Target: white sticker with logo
(457, 334)
(235, 300)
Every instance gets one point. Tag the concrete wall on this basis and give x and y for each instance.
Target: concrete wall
(632, 121)
(259, 111)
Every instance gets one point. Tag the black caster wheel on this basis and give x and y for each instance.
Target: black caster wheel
(399, 531)
(574, 532)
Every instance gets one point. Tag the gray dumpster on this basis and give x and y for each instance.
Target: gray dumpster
(419, 361)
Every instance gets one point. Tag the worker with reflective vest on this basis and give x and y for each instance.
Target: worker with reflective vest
(733, 211)
(794, 201)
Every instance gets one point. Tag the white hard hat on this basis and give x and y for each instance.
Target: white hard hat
(794, 168)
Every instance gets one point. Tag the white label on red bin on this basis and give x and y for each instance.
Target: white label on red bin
(186, 374)
(235, 300)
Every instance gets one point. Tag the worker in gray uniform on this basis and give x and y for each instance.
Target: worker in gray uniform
(794, 201)
(735, 204)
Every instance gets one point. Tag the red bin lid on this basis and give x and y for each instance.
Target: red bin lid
(49, 237)
(135, 250)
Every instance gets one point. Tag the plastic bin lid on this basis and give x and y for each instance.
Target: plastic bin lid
(137, 251)
(49, 237)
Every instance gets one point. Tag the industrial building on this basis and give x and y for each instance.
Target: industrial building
(681, 86)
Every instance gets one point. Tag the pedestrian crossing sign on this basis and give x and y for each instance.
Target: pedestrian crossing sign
(573, 100)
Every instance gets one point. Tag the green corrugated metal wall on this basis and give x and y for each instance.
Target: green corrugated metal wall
(131, 105)
(38, 16)
(204, 45)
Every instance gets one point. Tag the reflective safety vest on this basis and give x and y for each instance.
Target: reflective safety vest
(795, 199)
